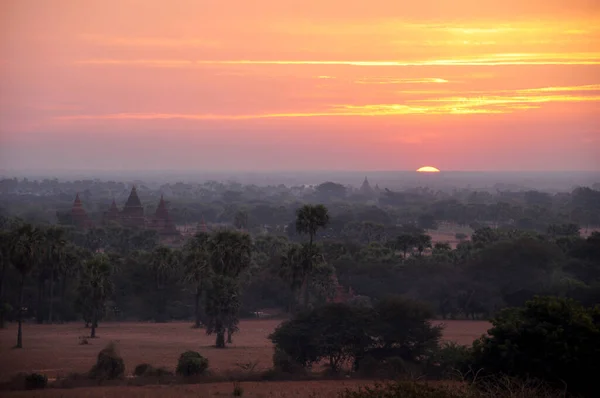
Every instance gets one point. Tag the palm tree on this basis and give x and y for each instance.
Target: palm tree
(6, 244)
(196, 267)
(309, 219)
(292, 271)
(96, 286)
(230, 254)
(25, 255)
(163, 264)
(54, 253)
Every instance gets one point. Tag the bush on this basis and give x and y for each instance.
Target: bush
(35, 381)
(497, 388)
(238, 391)
(403, 390)
(109, 365)
(146, 369)
(451, 360)
(191, 363)
(282, 362)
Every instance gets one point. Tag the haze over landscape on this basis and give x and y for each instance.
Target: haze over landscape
(292, 198)
(311, 85)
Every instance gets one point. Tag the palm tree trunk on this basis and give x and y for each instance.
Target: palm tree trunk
(94, 323)
(308, 273)
(2, 293)
(197, 307)
(20, 313)
(51, 296)
(220, 343)
(39, 313)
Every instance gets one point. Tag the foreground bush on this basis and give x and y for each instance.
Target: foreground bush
(552, 339)
(191, 363)
(146, 369)
(403, 390)
(35, 381)
(496, 388)
(109, 365)
(282, 362)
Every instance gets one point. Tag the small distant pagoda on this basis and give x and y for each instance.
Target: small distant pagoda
(79, 216)
(113, 213)
(162, 221)
(133, 212)
(366, 189)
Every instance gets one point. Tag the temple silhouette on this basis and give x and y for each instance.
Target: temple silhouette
(132, 216)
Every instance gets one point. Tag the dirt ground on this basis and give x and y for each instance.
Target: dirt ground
(54, 350)
(287, 389)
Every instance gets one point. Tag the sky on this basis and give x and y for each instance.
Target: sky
(299, 85)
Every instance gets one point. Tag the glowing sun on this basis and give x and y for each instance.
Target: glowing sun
(428, 169)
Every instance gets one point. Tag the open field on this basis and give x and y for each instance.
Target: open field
(279, 389)
(55, 351)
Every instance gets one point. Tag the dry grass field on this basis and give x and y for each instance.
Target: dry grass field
(287, 389)
(55, 350)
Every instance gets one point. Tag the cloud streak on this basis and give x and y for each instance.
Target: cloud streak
(590, 58)
(498, 102)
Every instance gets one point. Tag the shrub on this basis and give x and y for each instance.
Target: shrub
(109, 364)
(282, 362)
(35, 381)
(145, 369)
(238, 391)
(402, 390)
(460, 236)
(368, 366)
(451, 360)
(191, 363)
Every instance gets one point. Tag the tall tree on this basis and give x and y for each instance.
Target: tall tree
(292, 271)
(309, 219)
(25, 255)
(54, 256)
(230, 254)
(196, 268)
(163, 264)
(5, 246)
(96, 286)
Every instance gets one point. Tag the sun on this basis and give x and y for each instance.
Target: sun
(428, 169)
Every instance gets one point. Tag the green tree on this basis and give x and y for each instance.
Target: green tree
(164, 265)
(309, 219)
(423, 242)
(405, 243)
(96, 286)
(196, 268)
(550, 338)
(25, 255)
(54, 257)
(230, 254)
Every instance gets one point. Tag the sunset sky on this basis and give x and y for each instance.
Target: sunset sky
(299, 85)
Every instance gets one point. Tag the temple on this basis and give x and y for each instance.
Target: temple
(132, 216)
(79, 217)
(162, 221)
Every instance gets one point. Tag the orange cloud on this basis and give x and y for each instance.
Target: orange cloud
(591, 58)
